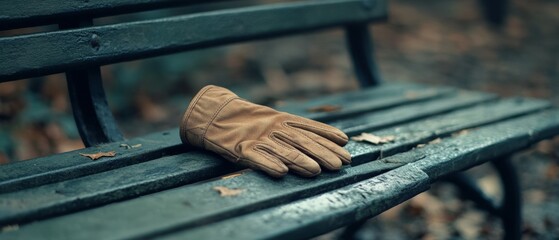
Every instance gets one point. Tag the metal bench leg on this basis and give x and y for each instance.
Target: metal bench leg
(350, 231)
(509, 210)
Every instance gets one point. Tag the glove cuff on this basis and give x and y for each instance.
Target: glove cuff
(201, 112)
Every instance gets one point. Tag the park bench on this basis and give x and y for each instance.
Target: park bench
(166, 190)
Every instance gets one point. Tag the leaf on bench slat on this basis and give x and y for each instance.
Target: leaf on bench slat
(435, 141)
(374, 139)
(95, 156)
(228, 192)
(461, 132)
(233, 175)
(9, 228)
(127, 146)
(325, 108)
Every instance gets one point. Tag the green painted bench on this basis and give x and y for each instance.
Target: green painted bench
(164, 190)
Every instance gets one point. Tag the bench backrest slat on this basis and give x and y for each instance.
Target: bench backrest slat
(46, 53)
(15, 14)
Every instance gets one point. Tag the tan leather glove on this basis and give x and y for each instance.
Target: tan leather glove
(260, 137)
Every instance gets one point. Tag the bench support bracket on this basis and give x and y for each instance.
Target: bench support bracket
(94, 119)
(361, 50)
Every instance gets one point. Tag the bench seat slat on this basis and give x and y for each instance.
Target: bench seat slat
(45, 170)
(71, 195)
(53, 52)
(184, 207)
(307, 218)
(320, 214)
(373, 99)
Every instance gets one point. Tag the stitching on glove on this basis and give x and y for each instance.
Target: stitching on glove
(269, 156)
(233, 156)
(290, 125)
(331, 150)
(215, 115)
(308, 152)
(187, 117)
(262, 165)
(274, 137)
(293, 165)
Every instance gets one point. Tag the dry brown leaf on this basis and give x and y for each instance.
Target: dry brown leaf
(228, 192)
(411, 95)
(233, 175)
(374, 139)
(325, 108)
(95, 156)
(460, 133)
(552, 171)
(10, 228)
(435, 141)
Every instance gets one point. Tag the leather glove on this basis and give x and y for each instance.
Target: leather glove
(260, 137)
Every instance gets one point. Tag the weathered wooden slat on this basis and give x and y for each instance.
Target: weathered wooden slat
(46, 53)
(376, 120)
(71, 195)
(15, 14)
(40, 171)
(40, 202)
(356, 103)
(47, 170)
(306, 218)
(309, 217)
(421, 132)
(200, 204)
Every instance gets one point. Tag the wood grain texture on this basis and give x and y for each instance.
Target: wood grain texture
(198, 204)
(45, 170)
(167, 172)
(15, 14)
(58, 51)
(316, 215)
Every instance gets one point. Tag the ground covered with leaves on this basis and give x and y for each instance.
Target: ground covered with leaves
(434, 42)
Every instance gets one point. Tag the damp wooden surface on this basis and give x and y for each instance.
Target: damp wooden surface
(15, 14)
(142, 178)
(199, 204)
(45, 170)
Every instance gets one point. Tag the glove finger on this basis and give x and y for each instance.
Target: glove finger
(320, 154)
(295, 161)
(341, 152)
(253, 156)
(331, 133)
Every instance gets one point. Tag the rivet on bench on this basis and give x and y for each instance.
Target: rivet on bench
(95, 41)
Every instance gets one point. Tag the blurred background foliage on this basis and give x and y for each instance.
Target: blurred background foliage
(430, 41)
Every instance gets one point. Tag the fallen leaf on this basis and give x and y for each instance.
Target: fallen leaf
(124, 145)
(325, 108)
(233, 175)
(10, 228)
(374, 139)
(95, 156)
(435, 141)
(461, 133)
(411, 95)
(228, 192)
